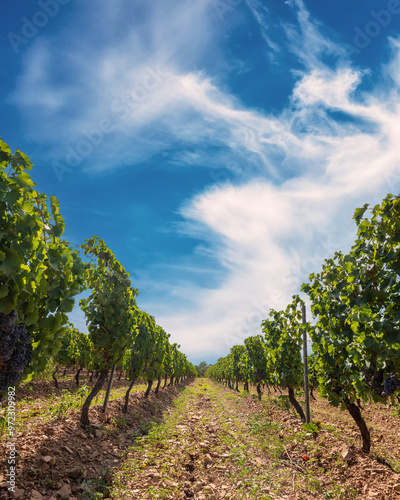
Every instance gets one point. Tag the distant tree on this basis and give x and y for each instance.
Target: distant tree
(202, 368)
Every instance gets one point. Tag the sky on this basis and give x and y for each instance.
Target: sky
(219, 147)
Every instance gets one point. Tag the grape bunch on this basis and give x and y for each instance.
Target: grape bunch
(8, 334)
(15, 350)
(390, 385)
(377, 382)
(336, 389)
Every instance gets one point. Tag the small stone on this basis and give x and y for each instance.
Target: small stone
(346, 453)
(49, 460)
(64, 492)
(156, 477)
(75, 473)
(35, 495)
(18, 493)
(45, 467)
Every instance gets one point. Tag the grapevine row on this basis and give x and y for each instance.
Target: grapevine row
(40, 275)
(355, 302)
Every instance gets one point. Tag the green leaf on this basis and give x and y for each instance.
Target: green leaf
(11, 262)
(20, 162)
(359, 212)
(13, 196)
(5, 154)
(31, 318)
(67, 304)
(25, 180)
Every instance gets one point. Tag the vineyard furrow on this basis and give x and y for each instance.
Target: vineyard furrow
(218, 444)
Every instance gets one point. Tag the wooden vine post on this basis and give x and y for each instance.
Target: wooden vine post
(109, 387)
(305, 366)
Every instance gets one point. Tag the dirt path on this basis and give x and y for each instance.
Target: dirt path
(218, 444)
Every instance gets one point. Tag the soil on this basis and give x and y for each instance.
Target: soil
(211, 443)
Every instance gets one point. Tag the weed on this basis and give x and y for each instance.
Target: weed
(311, 429)
(283, 402)
(68, 402)
(338, 491)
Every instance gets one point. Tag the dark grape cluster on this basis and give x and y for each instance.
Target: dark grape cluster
(15, 350)
(377, 382)
(390, 385)
(8, 334)
(336, 389)
(3, 381)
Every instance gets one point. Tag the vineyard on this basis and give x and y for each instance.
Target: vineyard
(197, 440)
(118, 412)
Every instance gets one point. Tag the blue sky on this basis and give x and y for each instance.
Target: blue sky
(219, 147)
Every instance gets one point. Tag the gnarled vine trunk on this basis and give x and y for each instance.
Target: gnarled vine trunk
(296, 404)
(125, 408)
(149, 386)
(77, 376)
(54, 377)
(96, 389)
(158, 385)
(355, 412)
(259, 391)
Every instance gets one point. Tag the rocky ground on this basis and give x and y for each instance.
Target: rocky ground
(198, 441)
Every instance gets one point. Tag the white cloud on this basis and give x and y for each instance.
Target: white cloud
(261, 14)
(271, 237)
(307, 41)
(297, 176)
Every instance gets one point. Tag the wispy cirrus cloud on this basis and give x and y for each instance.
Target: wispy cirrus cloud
(272, 235)
(288, 180)
(307, 41)
(263, 17)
